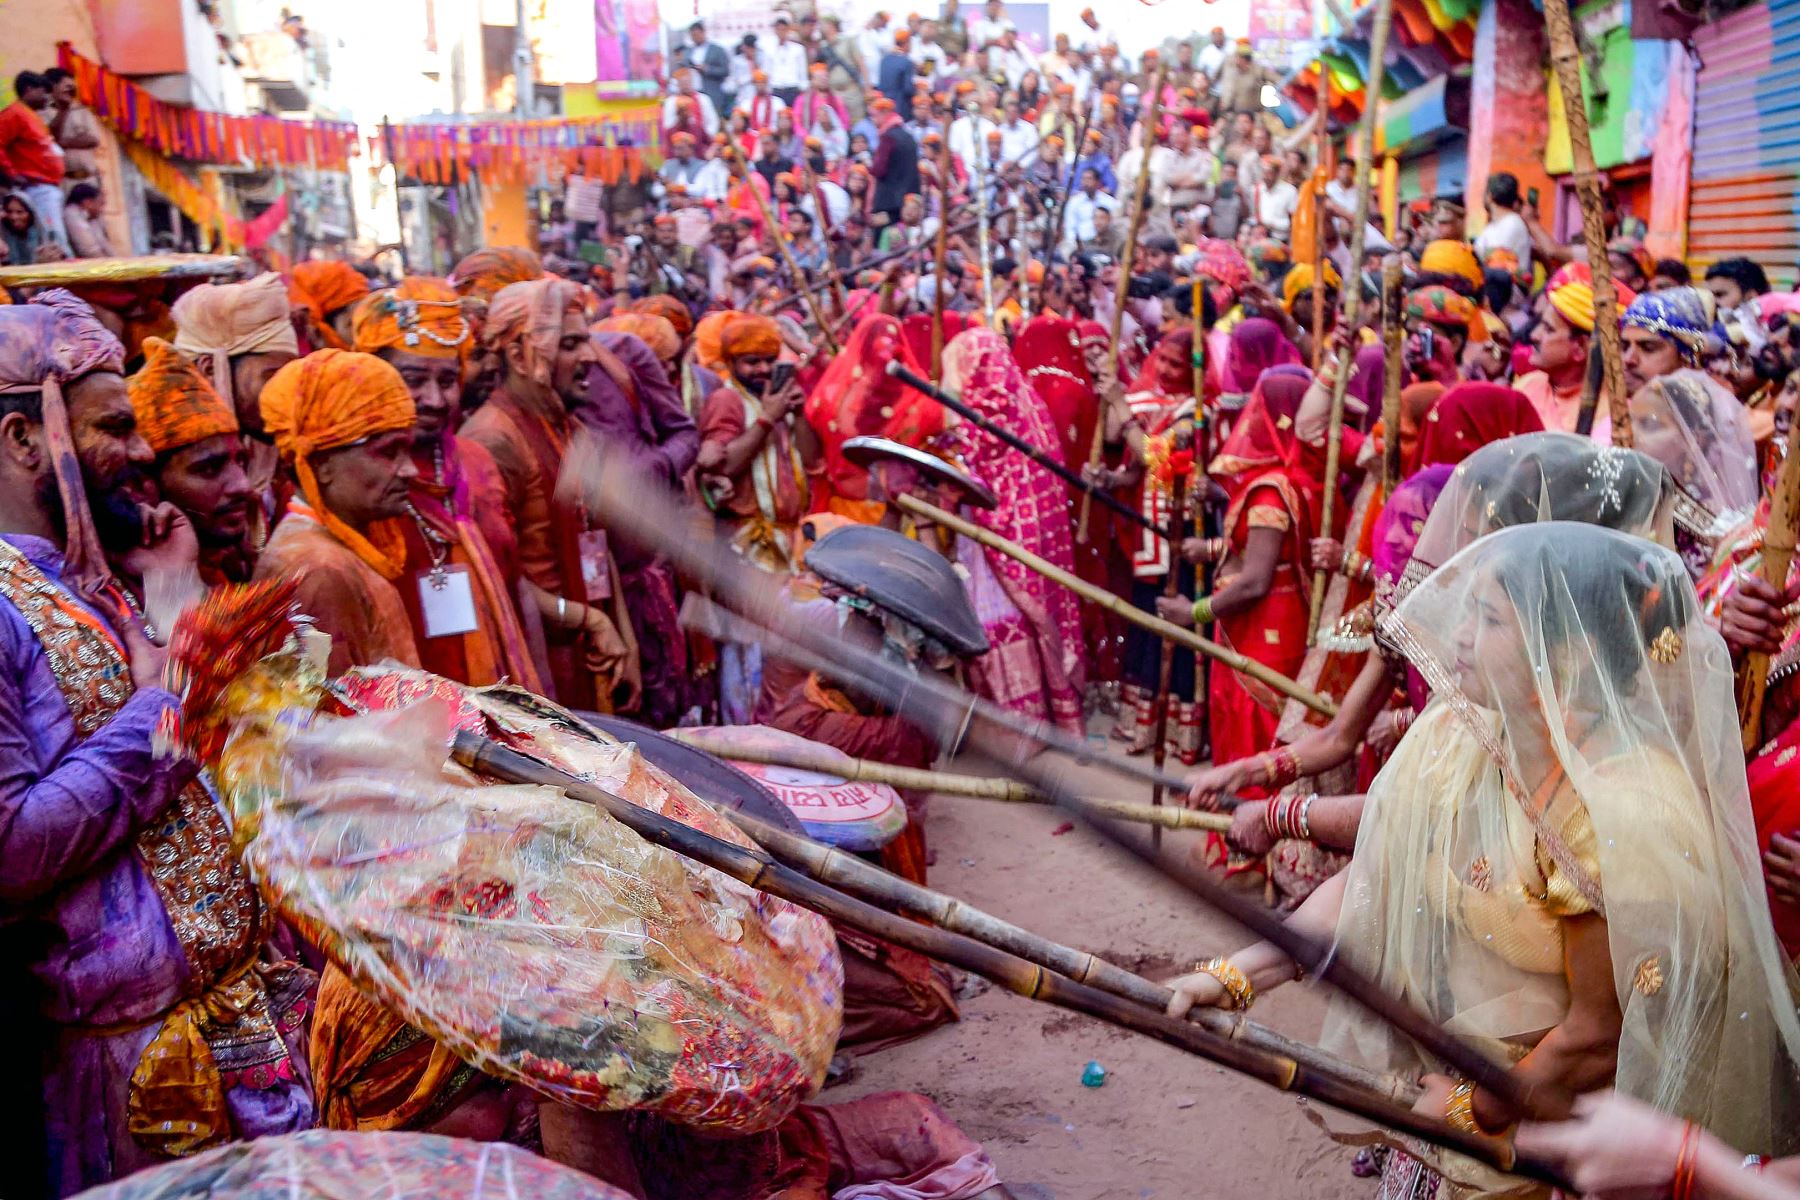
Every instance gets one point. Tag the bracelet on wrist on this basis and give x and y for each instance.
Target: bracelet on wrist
(1236, 984)
(1280, 767)
(1203, 611)
(1459, 1109)
(1686, 1162)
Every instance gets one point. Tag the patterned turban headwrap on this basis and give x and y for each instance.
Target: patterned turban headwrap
(331, 399)
(1571, 293)
(707, 336)
(176, 405)
(531, 314)
(1447, 256)
(45, 345)
(323, 288)
(1300, 279)
(421, 316)
(670, 309)
(749, 335)
(1223, 263)
(654, 331)
(1265, 252)
(486, 271)
(1682, 315)
(1442, 306)
(219, 321)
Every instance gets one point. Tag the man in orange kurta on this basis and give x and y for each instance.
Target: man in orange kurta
(343, 424)
(460, 578)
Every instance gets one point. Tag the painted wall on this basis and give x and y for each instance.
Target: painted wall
(1508, 105)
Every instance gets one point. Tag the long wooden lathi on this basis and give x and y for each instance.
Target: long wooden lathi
(734, 158)
(758, 869)
(1777, 558)
(1165, 667)
(1111, 603)
(1334, 439)
(1116, 331)
(1393, 335)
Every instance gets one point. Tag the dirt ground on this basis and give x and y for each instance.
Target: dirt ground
(1164, 1124)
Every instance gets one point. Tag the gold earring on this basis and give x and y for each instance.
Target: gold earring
(1667, 646)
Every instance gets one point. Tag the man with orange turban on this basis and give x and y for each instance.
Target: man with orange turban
(343, 424)
(537, 331)
(200, 458)
(481, 274)
(327, 290)
(460, 550)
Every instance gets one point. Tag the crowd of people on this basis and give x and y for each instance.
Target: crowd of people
(1525, 807)
(50, 198)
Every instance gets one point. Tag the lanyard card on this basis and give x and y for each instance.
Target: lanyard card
(447, 601)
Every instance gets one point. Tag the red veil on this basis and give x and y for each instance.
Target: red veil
(1048, 350)
(856, 397)
(918, 334)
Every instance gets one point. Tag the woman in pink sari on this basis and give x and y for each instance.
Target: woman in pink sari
(1035, 666)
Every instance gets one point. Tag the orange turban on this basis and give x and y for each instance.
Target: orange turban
(176, 405)
(670, 309)
(486, 271)
(330, 399)
(531, 314)
(749, 335)
(707, 336)
(421, 316)
(654, 331)
(1446, 256)
(324, 288)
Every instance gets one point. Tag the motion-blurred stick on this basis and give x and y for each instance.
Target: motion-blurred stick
(1777, 558)
(735, 162)
(1393, 337)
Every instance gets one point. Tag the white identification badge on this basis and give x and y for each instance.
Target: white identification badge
(447, 601)
(596, 567)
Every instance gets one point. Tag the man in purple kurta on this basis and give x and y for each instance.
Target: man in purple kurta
(634, 407)
(168, 1031)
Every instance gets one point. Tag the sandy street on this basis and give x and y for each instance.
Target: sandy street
(1164, 1125)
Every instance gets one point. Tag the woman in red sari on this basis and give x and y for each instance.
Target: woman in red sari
(1470, 415)
(1260, 601)
(856, 397)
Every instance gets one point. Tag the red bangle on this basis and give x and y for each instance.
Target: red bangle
(1682, 1186)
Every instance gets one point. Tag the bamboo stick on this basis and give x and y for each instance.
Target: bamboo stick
(1777, 558)
(1112, 604)
(1139, 191)
(1565, 56)
(1165, 671)
(1321, 152)
(759, 870)
(622, 495)
(735, 162)
(1036, 454)
(945, 783)
(981, 213)
(1393, 336)
(1059, 198)
(940, 259)
(1334, 439)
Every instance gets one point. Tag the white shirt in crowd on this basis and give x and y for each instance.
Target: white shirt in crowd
(738, 83)
(1276, 206)
(963, 134)
(1211, 59)
(787, 65)
(929, 59)
(709, 116)
(1090, 40)
(704, 178)
(1507, 232)
(872, 44)
(1017, 140)
(1080, 216)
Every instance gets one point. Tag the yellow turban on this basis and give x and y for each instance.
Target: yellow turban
(329, 399)
(421, 316)
(531, 314)
(1447, 256)
(175, 404)
(749, 335)
(1300, 279)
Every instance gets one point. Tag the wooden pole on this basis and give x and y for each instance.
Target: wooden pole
(636, 507)
(1321, 151)
(1139, 191)
(735, 162)
(1334, 438)
(944, 783)
(1165, 671)
(940, 259)
(1036, 454)
(1777, 558)
(1565, 56)
(981, 212)
(758, 869)
(1059, 199)
(1111, 603)
(1393, 337)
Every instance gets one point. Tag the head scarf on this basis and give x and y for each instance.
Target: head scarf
(1300, 279)
(1169, 371)
(175, 404)
(856, 397)
(323, 288)
(1367, 385)
(1470, 415)
(1446, 256)
(670, 309)
(531, 314)
(420, 316)
(481, 274)
(1402, 520)
(1442, 306)
(918, 332)
(1683, 315)
(1700, 433)
(1416, 401)
(45, 345)
(1256, 344)
(1262, 449)
(1223, 263)
(654, 331)
(1571, 292)
(330, 399)
(1048, 350)
(706, 338)
(219, 321)
(749, 335)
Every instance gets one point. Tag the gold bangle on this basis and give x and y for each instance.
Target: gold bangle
(1459, 1109)
(1203, 611)
(1235, 982)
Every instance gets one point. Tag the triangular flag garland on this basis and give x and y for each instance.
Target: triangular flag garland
(624, 143)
